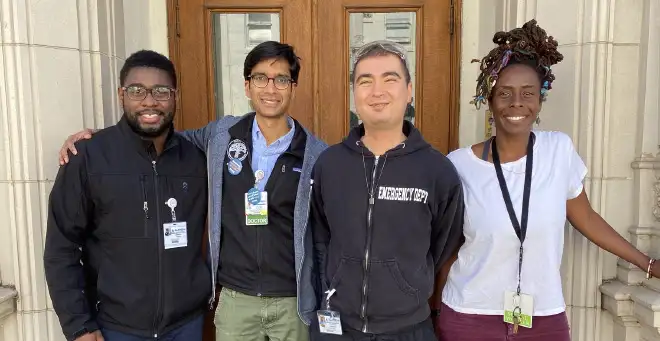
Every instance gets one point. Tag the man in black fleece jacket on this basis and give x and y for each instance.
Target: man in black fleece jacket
(387, 212)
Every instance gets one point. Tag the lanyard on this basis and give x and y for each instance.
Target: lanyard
(519, 227)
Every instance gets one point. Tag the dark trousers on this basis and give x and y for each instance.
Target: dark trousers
(471, 327)
(191, 331)
(420, 332)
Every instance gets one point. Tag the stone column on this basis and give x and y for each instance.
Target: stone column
(59, 70)
(630, 299)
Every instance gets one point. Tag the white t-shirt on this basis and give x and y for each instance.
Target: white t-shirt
(487, 264)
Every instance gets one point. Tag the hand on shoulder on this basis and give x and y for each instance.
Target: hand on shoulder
(69, 144)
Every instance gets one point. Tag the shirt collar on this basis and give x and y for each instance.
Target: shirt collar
(257, 135)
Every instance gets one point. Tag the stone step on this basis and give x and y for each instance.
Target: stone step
(7, 302)
(632, 275)
(640, 302)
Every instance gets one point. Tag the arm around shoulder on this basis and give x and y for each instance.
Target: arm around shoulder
(199, 137)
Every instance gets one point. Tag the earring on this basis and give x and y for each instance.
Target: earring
(490, 121)
(538, 119)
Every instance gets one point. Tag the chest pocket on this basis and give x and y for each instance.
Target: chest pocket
(282, 185)
(118, 200)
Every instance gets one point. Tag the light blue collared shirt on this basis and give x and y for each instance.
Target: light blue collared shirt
(264, 156)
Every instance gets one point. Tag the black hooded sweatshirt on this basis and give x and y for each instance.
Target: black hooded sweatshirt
(382, 228)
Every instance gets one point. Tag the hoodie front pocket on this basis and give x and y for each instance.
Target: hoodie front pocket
(389, 293)
(347, 298)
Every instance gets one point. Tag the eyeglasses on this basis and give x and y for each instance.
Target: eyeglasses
(139, 93)
(261, 81)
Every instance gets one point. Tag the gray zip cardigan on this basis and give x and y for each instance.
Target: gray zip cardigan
(213, 139)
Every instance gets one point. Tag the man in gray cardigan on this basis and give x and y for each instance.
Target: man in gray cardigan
(259, 168)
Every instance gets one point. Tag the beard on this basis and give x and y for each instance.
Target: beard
(149, 131)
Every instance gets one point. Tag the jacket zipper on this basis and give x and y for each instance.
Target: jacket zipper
(160, 242)
(145, 204)
(258, 237)
(365, 278)
(259, 241)
(259, 252)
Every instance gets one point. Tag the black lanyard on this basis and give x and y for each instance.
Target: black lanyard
(519, 227)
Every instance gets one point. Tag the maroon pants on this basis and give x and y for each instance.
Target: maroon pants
(455, 326)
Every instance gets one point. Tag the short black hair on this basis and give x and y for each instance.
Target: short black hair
(147, 58)
(272, 50)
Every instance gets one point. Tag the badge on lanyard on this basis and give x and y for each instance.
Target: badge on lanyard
(256, 203)
(329, 320)
(518, 307)
(175, 234)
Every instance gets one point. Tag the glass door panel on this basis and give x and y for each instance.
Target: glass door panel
(234, 35)
(399, 27)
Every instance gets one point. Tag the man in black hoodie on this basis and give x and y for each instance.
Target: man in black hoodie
(387, 212)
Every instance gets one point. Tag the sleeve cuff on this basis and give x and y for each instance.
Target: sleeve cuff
(88, 327)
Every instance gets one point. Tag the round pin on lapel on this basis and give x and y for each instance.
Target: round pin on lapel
(234, 166)
(254, 196)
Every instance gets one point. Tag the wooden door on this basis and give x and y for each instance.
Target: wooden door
(323, 33)
(207, 47)
(210, 38)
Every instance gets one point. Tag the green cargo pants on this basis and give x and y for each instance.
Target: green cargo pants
(241, 317)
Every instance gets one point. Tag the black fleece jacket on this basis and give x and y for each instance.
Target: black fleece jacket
(105, 259)
(382, 228)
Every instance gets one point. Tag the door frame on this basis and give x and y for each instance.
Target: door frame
(312, 91)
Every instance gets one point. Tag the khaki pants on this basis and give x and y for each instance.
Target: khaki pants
(241, 317)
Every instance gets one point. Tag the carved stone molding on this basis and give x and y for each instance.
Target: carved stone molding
(650, 162)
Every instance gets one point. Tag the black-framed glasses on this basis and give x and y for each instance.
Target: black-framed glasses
(139, 93)
(261, 81)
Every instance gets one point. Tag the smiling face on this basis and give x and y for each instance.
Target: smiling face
(149, 116)
(271, 99)
(516, 99)
(381, 91)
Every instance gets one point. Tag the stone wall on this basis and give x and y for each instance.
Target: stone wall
(59, 68)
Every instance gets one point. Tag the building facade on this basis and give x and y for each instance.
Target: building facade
(59, 69)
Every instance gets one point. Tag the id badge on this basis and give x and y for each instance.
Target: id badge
(256, 209)
(524, 302)
(175, 235)
(329, 322)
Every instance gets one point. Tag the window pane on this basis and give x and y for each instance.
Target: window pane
(234, 35)
(259, 18)
(399, 27)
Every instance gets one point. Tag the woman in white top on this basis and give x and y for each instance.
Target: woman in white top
(483, 288)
